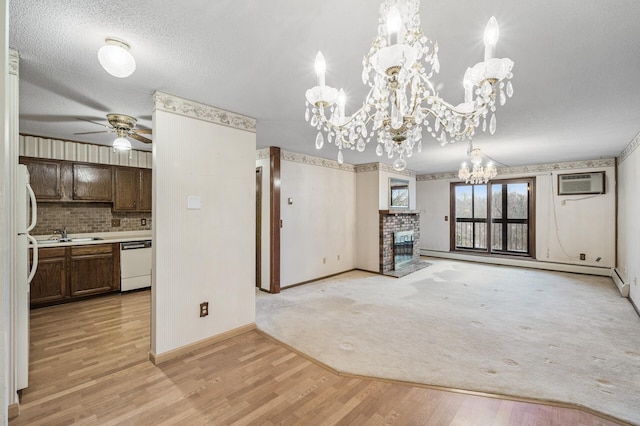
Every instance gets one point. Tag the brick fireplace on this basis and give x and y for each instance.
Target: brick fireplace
(392, 222)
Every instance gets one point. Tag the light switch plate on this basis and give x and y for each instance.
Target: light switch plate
(193, 202)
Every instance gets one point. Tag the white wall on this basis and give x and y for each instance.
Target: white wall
(206, 254)
(320, 224)
(368, 223)
(433, 203)
(628, 224)
(583, 224)
(265, 254)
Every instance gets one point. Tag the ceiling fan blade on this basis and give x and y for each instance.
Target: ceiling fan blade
(142, 131)
(94, 122)
(140, 138)
(91, 133)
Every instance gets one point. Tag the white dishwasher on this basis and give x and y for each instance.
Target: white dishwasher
(135, 265)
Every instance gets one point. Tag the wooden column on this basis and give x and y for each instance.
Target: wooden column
(274, 279)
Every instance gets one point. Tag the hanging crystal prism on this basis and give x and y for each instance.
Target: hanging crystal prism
(306, 115)
(509, 89)
(492, 124)
(399, 164)
(379, 150)
(319, 140)
(314, 121)
(340, 157)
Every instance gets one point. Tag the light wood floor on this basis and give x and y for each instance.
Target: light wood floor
(89, 366)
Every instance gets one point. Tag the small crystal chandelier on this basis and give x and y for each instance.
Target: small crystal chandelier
(402, 101)
(479, 174)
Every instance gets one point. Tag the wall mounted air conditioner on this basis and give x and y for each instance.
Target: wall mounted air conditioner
(581, 183)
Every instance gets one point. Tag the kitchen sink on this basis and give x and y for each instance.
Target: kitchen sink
(79, 240)
(48, 241)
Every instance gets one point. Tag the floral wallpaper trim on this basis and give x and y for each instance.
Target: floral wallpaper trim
(263, 154)
(14, 62)
(187, 108)
(383, 167)
(537, 168)
(629, 149)
(315, 161)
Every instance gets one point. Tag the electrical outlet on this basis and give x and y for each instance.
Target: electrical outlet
(324, 260)
(583, 256)
(204, 309)
(115, 223)
(143, 222)
(446, 218)
(338, 257)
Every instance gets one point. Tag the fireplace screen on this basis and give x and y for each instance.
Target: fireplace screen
(402, 249)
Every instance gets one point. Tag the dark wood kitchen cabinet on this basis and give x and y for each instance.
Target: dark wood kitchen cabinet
(132, 189)
(46, 178)
(57, 180)
(92, 182)
(94, 269)
(145, 190)
(49, 284)
(69, 273)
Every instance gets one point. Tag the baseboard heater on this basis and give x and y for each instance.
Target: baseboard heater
(622, 286)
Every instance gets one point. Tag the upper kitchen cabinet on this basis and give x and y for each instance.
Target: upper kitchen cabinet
(58, 180)
(45, 178)
(132, 189)
(92, 182)
(145, 190)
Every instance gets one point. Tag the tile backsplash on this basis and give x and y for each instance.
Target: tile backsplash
(81, 218)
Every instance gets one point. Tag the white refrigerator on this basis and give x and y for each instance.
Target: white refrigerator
(26, 215)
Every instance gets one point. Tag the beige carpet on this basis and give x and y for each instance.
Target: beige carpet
(512, 331)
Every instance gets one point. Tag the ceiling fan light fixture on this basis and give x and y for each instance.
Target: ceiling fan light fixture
(116, 59)
(121, 144)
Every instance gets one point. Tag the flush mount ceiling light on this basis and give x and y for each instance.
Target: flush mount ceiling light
(116, 59)
(402, 100)
(478, 174)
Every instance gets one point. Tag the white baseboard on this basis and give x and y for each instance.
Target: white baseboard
(525, 263)
(622, 286)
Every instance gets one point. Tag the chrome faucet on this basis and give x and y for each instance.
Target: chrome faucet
(62, 232)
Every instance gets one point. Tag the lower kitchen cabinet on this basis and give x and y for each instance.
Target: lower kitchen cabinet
(93, 269)
(68, 273)
(49, 284)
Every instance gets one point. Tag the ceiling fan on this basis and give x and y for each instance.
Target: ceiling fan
(122, 125)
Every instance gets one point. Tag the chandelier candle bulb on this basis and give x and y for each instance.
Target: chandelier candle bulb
(491, 35)
(341, 101)
(394, 23)
(321, 68)
(468, 86)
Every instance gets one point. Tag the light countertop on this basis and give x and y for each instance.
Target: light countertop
(51, 240)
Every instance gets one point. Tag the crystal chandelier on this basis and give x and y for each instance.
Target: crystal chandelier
(402, 101)
(478, 174)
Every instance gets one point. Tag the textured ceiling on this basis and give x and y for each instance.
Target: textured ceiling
(576, 75)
